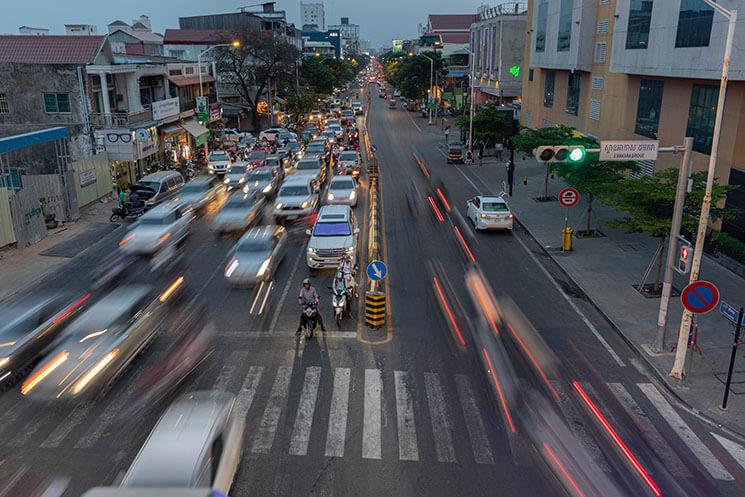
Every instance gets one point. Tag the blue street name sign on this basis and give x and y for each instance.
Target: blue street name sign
(730, 312)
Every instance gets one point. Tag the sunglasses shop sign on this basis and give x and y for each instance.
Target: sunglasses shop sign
(122, 144)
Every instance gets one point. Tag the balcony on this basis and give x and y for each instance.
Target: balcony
(121, 119)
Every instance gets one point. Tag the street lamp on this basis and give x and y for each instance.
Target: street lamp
(685, 322)
(234, 44)
(431, 76)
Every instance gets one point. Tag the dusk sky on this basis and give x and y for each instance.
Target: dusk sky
(379, 20)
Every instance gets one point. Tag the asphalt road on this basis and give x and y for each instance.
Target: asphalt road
(404, 410)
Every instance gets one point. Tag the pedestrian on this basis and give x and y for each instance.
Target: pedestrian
(122, 196)
(481, 152)
(447, 134)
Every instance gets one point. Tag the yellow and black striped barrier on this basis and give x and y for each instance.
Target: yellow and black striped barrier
(374, 309)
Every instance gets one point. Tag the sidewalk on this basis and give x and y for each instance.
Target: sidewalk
(606, 268)
(21, 268)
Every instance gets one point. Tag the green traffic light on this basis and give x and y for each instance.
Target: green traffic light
(577, 155)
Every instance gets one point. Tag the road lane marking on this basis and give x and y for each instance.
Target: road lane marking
(736, 450)
(281, 302)
(337, 432)
(474, 423)
(68, 424)
(407, 444)
(270, 419)
(656, 441)
(441, 427)
(684, 432)
(371, 448)
(223, 379)
(248, 390)
(22, 437)
(306, 408)
(247, 334)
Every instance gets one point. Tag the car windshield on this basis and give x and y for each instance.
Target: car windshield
(342, 184)
(153, 185)
(294, 146)
(257, 155)
(238, 169)
(328, 132)
(307, 165)
(260, 176)
(294, 191)
(317, 149)
(494, 207)
(195, 187)
(218, 156)
(239, 201)
(348, 156)
(332, 229)
(157, 220)
(254, 245)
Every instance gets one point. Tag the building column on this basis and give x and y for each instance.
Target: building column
(167, 86)
(105, 98)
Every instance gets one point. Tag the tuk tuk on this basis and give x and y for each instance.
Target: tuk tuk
(392, 103)
(455, 153)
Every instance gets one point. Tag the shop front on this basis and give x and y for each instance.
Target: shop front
(176, 147)
(130, 151)
(199, 135)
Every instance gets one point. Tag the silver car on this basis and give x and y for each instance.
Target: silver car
(164, 224)
(101, 343)
(197, 443)
(296, 198)
(256, 256)
(239, 212)
(200, 191)
(313, 168)
(342, 190)
(264, 181)
(236, 176)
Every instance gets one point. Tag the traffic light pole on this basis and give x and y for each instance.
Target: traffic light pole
(680, 194)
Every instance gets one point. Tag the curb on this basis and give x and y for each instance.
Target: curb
(659, 375)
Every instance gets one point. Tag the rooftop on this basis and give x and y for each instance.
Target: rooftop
(196, 36)
(50, 49)
(451, 22)
(145, 36)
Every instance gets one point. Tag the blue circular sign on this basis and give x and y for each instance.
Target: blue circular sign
(377, 270)
(700, 297)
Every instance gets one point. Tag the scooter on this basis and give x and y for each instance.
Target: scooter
(340, 301)
(125, 214)
(311, 321)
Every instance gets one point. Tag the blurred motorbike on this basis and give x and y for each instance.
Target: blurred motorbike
(124, 213)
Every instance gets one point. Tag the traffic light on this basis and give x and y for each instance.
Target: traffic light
(684, 261)
(561, 153)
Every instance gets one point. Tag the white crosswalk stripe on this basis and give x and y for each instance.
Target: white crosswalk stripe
(441, 427)
(306, 409)
(672, 418)
(371, 429)
(336, 435)
(407, 445)
(248, 390)
(270, 420)
(475, 425)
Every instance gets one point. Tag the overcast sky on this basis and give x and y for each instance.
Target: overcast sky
(380, 20)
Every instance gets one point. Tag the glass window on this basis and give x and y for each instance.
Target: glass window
(640, 16)
(701, 116)
(55, 103)
(4, 107)
(694, 24)
(332, 229)
(548, 89)
(565, 25)
(573, 88)
(495, 207)
(648, 108)
(540, 31)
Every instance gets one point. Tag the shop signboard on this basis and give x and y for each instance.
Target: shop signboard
(87, 177)
(215, 112)
(165, 108)
(202, 114)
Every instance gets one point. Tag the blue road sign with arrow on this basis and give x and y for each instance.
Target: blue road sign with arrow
(377, 270)
(730, 312)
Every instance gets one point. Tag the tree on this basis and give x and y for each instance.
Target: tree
(411, 74)
(490, 125)
(261, 60)
(316, 75)
(648, 203)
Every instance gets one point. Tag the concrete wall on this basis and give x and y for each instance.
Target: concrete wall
(661, 58)
(92, 179)
(581, 45)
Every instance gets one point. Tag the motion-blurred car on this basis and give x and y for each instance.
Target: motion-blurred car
(349, 163)
(257, 255)
(329, 134)
(314, 169)
(239, 212)
(489, 213)
(296, 198)
(264, 181)
(236, 176)
(164, 224)
(357, 108)
(200, 191)
(256, 158)
(342, 190)
(99, 344)
(29, 327)
(197, 443)
(218, 162)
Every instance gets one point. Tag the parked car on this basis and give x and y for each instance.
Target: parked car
(200, 191)
(296, 198)
(455, 153)
(164, 185)
(334, 234)
(237, 175)
(218, 162)
(489, 213)
(264, 181)
(165, 224)
(342, 190)
(257, 255)
(239, 212)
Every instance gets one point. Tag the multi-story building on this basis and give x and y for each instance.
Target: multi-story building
(498, 46)
(637, 69)
(135, 39)
(312, 13)
(350, 35)
(81, 29)
(323, 42)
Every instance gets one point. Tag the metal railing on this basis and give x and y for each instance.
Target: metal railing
(121, 119)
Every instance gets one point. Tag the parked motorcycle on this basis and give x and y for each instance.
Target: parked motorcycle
(311, 321)
(122, 212)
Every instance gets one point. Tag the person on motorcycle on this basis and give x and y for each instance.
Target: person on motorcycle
(134, 202)
(340, 286)
(346, 267)
(309, 296)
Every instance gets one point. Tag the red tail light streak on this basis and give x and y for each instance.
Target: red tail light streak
(436, 209)
(562, 469)
(535, 363)
(69, 310)
(502, 400)
(444, 200)
(448, 311)
(463, 244)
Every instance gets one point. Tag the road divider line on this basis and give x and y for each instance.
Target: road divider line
(337, 431)
(306, 408)
(371, 428)
(441, 427)
(407, 442)
(270, 419)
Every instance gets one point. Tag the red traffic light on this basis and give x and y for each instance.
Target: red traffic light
(684, 253)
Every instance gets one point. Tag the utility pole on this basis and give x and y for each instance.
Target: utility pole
(678, 370)
(471, 103)
(431, 82)
(680, 194)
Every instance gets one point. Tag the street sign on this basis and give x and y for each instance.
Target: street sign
(729, 312)
(629, 150)
(700, 297)
(141, 135)
(568, 197)
(202, 113)
(377, 270)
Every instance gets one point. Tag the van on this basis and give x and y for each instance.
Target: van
(164, 184)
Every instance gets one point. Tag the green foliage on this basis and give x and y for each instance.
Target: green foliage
(411, 74)
(303, 101)
(729, 245)
(323, 74)
(529, 138)
(316, 76)
(489, 124)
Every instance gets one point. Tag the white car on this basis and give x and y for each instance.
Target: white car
(489, 213)
(357, 108)
(342, 190)
(164, 224)
(271, 133)
(218, 162)
(237, 175)
(335, 234)
(337, 130)
(296, 198)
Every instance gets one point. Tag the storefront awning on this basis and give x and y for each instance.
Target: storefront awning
(194, 128)
(190, 80)
(171, 129)
(491, 91)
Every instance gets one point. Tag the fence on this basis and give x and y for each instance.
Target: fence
(92, 179)
(27, 217)
(7, 235)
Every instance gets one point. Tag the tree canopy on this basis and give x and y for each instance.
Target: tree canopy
(411, 74)
(490, 125)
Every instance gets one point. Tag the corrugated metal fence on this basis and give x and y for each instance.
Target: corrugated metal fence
(7, 236)
(92, 178)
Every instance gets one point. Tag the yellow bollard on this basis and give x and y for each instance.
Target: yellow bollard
(566, 239)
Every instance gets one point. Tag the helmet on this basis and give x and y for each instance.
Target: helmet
(306, 281)
(339, 275)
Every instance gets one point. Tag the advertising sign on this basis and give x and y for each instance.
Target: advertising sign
(165, 108)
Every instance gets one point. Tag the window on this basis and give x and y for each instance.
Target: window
(530, 74)
(601, 51)
(597, 83)
(565, 25)
(701, 116)
(594, 109)
(4, 107)
(540, 27)
(573, 87)
(203, 69)
(57, 103)
(188, 70)
(694, 24)
(603, 27)
(648, 108)
(174, 72)
(178, 54)
(548, 89)
(640, 15)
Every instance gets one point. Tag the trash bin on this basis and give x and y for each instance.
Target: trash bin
(566, 239)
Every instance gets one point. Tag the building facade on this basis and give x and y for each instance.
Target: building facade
(323, 42)
(350, 35)
(81, 29)
(638, 69)
(312, 13)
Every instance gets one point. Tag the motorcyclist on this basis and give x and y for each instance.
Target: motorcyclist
(134, 202)
(346, 267)
(340, 286)
(308, 296)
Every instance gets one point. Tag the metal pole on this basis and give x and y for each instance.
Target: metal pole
(499, 68)
(431, 93)
(680, 195)
(678, 370)
(199, 68)
(470, 118)
(738, 328)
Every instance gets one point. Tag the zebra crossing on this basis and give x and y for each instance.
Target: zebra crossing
(345, 412)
